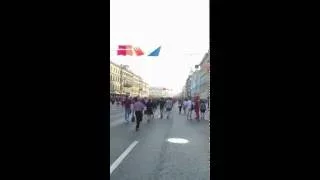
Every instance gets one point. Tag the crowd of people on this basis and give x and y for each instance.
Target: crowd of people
(138, 108)
(197, 105)
(118, 99)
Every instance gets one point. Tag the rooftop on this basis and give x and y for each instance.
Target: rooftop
(206, 56)
(125, 69)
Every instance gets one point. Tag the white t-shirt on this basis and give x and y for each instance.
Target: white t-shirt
(185, 103)
(189, 104)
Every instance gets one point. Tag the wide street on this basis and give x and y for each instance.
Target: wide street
(147, 154)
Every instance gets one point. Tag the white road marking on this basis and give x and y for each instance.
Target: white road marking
(117, 162)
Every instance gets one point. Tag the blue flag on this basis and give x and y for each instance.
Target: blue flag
(155, 52)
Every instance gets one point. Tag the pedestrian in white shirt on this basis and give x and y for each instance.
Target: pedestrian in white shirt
(189, 115)
(185, 105)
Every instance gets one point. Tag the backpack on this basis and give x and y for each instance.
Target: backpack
(203, 107)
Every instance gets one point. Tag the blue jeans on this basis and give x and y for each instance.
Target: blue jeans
(127, 114)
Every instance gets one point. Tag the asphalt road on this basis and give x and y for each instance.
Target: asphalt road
(147, 155)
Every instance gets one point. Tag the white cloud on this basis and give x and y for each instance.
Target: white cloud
(179, 26)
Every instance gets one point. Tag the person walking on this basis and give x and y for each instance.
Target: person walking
(203, 109)
(149, 110)
(168, 106)
(127, 108)
(123, 100)
(189, 109)
(197, 107)
(185, 106)
(132, 118)
(180, 105)
(138, 108)
(118, 101)
(154, 107)
(162, 103)
(112, 100)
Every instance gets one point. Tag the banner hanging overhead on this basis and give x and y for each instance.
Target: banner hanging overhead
(129, 50)
(155, 52)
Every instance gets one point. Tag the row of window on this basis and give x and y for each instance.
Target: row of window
(117, 78)
(114, 78)
(115, 70)
(115, 87)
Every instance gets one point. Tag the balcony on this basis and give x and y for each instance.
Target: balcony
(128, 84)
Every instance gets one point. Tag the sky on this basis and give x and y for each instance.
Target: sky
(180, 27)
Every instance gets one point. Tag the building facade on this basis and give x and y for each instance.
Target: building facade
(125, 82)
(145, 89)
(198, 81)
(184, 92)
(136, 85)
(158, 92)
(188, 87)
(195, 83)
(115, 79)
(204, 77)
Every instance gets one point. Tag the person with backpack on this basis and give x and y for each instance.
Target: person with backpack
(203, 109)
